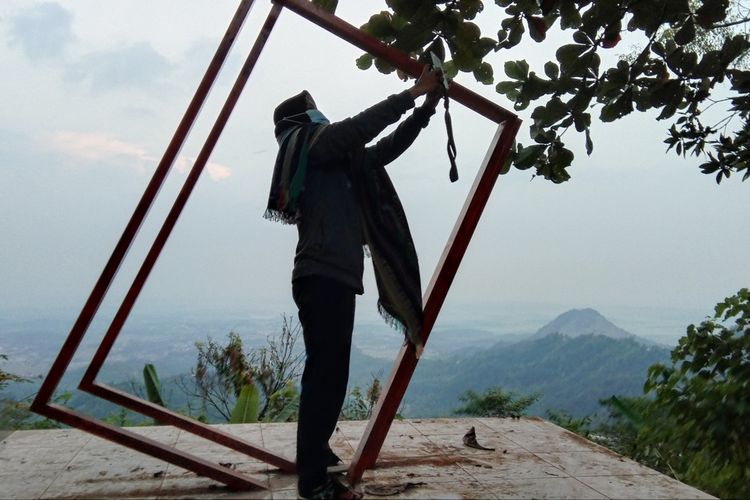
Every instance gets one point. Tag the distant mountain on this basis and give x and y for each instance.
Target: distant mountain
(572, 373)
(577, 322)
(574, 361)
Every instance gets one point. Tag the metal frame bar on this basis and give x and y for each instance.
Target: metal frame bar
(508, 125)
(157, 412)
(434, 297)
(406, 361)
(41, 403)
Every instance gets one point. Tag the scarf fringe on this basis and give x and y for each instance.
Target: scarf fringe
(391, 320)
(394, 323)
(278, 216)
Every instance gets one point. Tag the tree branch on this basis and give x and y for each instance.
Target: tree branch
(731, 23)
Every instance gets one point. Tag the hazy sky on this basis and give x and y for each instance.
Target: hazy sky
(92, 91)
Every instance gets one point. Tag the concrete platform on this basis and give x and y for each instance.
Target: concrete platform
(421, 459)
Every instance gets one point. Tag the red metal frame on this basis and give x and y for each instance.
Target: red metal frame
(406, 361)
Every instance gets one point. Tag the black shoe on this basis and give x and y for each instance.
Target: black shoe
(333, 489)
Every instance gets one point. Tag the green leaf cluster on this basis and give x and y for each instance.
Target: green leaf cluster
(17, 415)
(579, 425)
(688, 50)
(221, 372)
(359, 405)
(247, 406)
(495, 402)
(445, 28)
(153, 387)
(694, 422)
(259, 384)
(6, 377)
(282, 405)
(706, 395)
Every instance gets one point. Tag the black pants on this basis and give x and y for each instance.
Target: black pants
(326, 312)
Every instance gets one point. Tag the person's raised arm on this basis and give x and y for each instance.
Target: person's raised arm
(352, 133)
(394, 144)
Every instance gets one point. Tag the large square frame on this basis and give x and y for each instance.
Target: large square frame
(406, 361)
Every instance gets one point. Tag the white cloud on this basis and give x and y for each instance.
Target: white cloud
(216, 171)
(42, 31)
(99, 147)
(136, 65)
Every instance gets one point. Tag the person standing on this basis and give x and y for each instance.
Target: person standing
(324, 174)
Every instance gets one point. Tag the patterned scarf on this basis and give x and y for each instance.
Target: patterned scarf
(385, 228)
(289, 171)
(394, 258)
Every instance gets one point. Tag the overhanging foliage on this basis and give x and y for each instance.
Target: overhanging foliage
(690, 51)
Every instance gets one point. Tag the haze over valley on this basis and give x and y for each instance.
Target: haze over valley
(572, 360)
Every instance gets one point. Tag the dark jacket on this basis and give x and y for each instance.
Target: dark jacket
(329, 226)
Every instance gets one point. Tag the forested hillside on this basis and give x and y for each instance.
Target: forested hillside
(572, 374)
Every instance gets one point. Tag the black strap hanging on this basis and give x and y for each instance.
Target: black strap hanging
(453, 175)
(436, 53)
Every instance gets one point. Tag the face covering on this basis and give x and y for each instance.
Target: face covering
(317, 117)
(309, 116)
